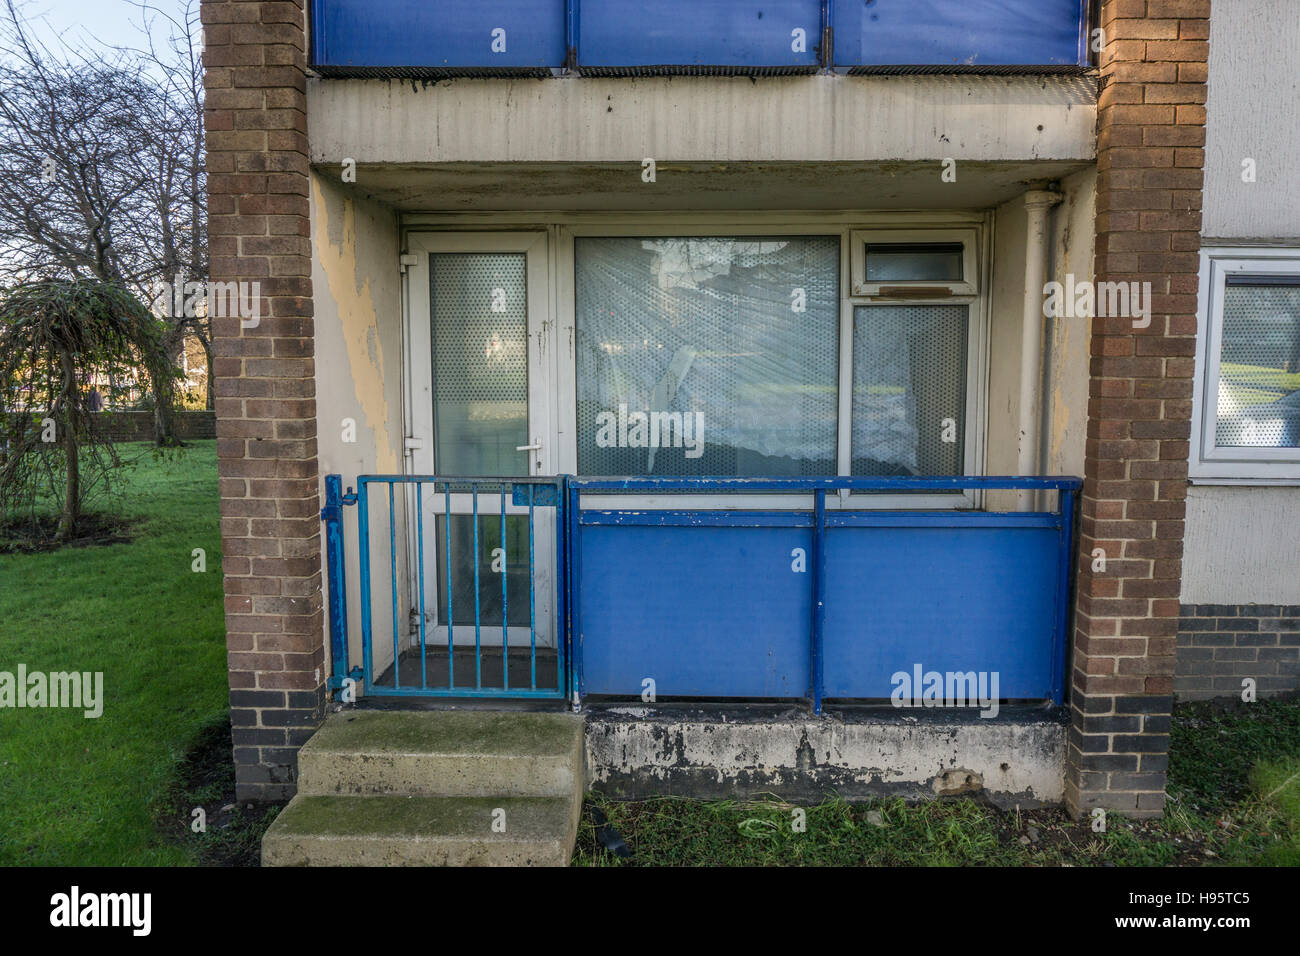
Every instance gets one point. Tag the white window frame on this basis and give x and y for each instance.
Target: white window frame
(1209, 463)
(970, 260)
(973, 230)
(960, 292)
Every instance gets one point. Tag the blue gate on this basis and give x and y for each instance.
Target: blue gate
(489, 608)
(822, 600)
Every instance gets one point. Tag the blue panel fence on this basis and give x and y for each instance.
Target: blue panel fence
(522, 37)
(960, 34)
(817, 599)
(538, 37)
(811, 602)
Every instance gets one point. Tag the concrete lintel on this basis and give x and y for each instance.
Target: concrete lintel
(700, 187)
(823, 118)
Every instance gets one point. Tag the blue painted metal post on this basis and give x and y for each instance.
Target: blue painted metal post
(1065, 564)
(828, 35)
(478, 639)
(819, 596)
(363, 546)
(532, 605)
(571, 35)
(567, 519)
(419, 552)
(392, 577)
(505, 604)
(446, 561)
(335, 556)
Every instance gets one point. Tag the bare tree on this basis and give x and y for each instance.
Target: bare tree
(54, 334)
(101, 168)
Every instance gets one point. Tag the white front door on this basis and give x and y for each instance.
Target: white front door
(481, 393)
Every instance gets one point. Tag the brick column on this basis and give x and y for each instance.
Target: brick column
(1150, 152)
(259, 231)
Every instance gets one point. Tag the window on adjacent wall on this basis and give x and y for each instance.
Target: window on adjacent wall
(1246, 417)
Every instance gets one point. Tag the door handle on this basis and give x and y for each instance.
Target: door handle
(536, 446)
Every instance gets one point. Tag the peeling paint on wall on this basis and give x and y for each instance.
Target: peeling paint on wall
(350, 292)
(729, 752)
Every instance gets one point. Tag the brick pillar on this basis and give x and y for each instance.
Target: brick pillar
(1150, 152)
(259, 231)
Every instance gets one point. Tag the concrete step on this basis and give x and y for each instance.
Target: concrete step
(444, 753)
(399, 830)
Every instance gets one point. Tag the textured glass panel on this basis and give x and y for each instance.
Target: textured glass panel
(513, 558)
(707, 356)
(909, 389)
(1259, 366)
(480, 363)
(914, 261)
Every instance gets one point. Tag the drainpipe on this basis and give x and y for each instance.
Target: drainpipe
(1038, 205)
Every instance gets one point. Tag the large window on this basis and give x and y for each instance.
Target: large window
(1247, 412)
(707, 355)
(721, 355)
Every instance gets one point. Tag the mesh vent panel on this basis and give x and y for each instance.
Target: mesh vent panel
(480, 362)
(909, 377)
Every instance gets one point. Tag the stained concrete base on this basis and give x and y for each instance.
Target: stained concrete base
(636, 751)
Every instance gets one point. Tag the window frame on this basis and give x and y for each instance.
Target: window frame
(967, 285)
(974, 230)
(1208, 462)
(964, 292)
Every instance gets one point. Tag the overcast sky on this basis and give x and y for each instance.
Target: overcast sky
(84, 21)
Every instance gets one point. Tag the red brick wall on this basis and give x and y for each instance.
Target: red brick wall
(1151, 137)
(259, 230)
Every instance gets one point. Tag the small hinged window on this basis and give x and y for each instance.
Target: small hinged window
(898, 264)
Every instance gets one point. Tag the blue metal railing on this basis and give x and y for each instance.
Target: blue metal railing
(1019, 539)
(851, 607)
(412, 649)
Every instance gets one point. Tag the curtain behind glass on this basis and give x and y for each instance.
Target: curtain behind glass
(909, 389)
(707, 356)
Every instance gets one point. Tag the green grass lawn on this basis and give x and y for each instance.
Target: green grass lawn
(85, 791)
(1234, 798)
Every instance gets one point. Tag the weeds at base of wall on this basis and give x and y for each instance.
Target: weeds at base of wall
(205, 778)
(1233, 798)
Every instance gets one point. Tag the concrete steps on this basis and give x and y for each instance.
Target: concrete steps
(434, 788)
(396, 830)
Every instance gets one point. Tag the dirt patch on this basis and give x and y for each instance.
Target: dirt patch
(1050, 836)
(32, 536)
(231, 834)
